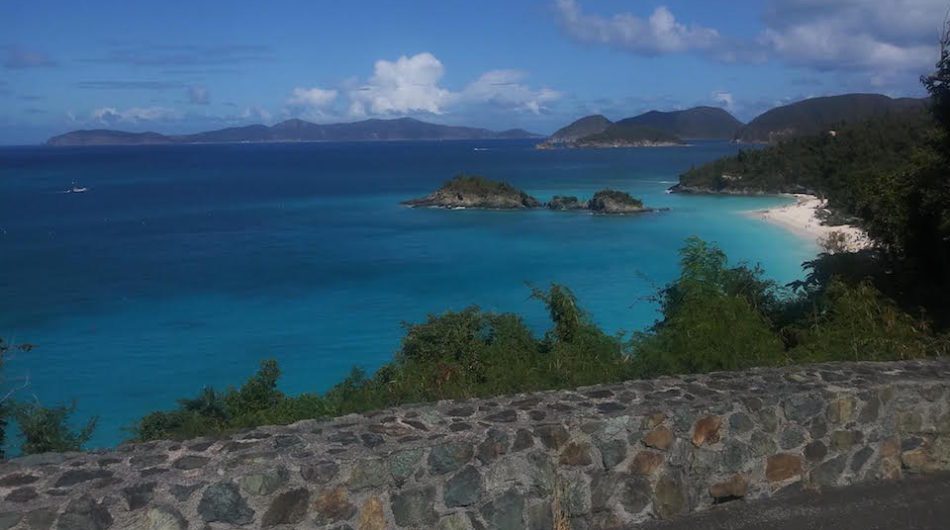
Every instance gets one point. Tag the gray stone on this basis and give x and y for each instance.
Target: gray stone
(26, 494)
(41, 519)
(9, 520)
(414, 507)
(266, 482)
(636, 494)
(860, 458)
(803, 407)
(762, 444)
(139, 495)
(404, 463)
(523, 440)
(539, 516)
(612, 452)
(791, 437)
(735, 455)
(495, 445)
(552, 436)
(670, 497)
(816, 451)
(189, 462)
(368, 473)
(18, 479)
(577, 497)
(464, 488)
(164, 518)
(143, 461)
(602, 488)
(183, 492)
(827, 473)
(455, 521)
(319, 472)
(289, 507)
(740, 423)
(505, 512)
(449, 457)
(78, 476)
(84, 513)
(222, 502)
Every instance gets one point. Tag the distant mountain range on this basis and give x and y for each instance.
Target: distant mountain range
(709, 123)
(295, 130)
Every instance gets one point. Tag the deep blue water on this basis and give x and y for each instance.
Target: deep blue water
(184, 266)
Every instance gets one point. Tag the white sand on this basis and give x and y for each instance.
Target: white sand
(801, 218)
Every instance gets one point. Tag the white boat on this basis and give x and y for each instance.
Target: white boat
(77, 189)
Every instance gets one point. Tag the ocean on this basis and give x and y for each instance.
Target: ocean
(184, 266)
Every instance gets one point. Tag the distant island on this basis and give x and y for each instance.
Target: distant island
(656, 128)
(650, 129)
(295, 130)
(477, 192)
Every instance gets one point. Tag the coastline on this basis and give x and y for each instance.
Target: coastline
(801, 218)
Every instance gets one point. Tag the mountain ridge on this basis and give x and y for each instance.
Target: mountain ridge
(295, 130)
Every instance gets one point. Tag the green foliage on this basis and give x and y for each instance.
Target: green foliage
(453, 355)
(938, 82)
(479, 186)
(627, 133)
(855, 323)
(714, 318)
(47, 430)
(620, 197)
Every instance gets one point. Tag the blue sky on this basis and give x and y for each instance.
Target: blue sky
(175, 66)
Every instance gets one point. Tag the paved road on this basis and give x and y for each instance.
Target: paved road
(918, 503)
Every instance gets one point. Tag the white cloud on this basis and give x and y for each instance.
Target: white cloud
(724, 99)
(257, 114)
(315, 98)
(882, 37)
(198, 95)
(111, 115)
(413, 85)
(503, 88)
(407, 85)
(657, 34)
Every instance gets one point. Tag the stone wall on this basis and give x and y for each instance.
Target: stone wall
(598, 457)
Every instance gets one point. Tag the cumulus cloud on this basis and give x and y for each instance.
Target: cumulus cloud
(17, 58)
(724, 100)
(311, 98)
(503, 88)
(198, 95)
(879, 39)
(657, 34)
(872, 35)
(413, 85)
(111, 115)
(409, 84)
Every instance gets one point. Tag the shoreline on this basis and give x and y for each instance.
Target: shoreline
(801, 218)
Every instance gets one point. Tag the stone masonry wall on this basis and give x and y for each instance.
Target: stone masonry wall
(598, 457)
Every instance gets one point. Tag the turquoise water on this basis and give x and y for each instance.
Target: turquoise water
(184, 266)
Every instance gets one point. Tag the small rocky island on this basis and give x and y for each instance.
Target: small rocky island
(473, 191)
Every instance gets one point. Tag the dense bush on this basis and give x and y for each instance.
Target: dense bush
(47, 430)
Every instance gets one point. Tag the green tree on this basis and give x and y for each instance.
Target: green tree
(713, 318)
(47, 430)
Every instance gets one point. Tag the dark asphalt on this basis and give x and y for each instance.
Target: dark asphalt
(915, 503)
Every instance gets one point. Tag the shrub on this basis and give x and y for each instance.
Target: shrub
(47, 430)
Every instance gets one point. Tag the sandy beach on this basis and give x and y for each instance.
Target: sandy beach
(802, 219)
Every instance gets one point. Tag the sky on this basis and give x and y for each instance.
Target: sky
(186, 66)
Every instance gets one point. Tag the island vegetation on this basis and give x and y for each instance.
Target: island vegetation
(474, 191)
(713, 316)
